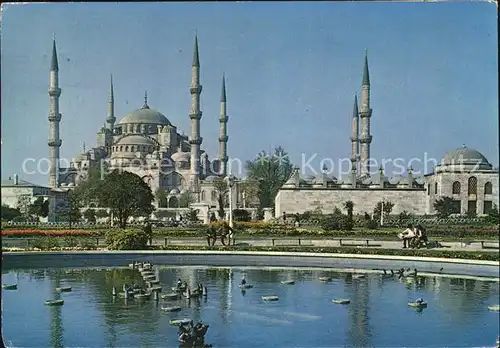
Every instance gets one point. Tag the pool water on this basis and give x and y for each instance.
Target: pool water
(304, 316)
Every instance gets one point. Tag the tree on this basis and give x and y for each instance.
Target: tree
(446, 206)
(186, 198)
(271, 171)
(23, 205)
(387, 206)
(161, 198)
(349, 206)
(87, 191)
(71, 213)
(90, 215)
(39, 208)
(222, 192)
(126, 194)
(250, 192)
(9, 213)
(493, 215)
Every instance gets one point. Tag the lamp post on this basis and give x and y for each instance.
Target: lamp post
(230, 183)
(382, 214)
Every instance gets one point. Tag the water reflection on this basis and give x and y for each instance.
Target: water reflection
(240, 318)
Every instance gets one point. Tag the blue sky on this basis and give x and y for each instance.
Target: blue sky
(292, 70)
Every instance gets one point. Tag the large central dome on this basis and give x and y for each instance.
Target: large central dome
(145, 115)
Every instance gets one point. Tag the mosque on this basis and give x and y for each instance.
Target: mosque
(464, 175)
(146, 143)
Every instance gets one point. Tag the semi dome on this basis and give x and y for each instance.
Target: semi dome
(465, 156)
(145, 115)
(136, 140)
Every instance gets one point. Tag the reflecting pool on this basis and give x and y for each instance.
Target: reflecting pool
(304, 316)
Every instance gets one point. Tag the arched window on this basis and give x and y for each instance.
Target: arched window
(132, 148)
(214, 196)
(121, 148)
(436, 188)
(456, 188)
(428, 189)
(173, 202)
(126, 148)
(488, 188)
(472, 189)
(203, 195)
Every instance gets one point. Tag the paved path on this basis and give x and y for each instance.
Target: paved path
(294, 241)
(286, 241)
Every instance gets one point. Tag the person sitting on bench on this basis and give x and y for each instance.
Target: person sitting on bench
(421, 236)
(407, 235)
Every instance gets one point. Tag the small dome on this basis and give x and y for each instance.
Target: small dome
(184, 191)
(466, 156)
(319, 179)
(212, 178)
(145, 115)
(308, 178)
(181, 157)
(174, 191)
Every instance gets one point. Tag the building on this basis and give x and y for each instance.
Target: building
(464, 175)
(146, 143)
(13, 188)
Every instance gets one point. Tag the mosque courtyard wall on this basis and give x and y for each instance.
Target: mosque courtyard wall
(301, 200)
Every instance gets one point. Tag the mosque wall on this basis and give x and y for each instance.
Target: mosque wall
(300, 200)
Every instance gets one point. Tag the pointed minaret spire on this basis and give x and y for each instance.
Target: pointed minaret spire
(365, 114)
(223, 92)
(366, 73)
(196, 57)
(110, 119)
(54, 66)
(355, 133)
(223, 138)
(145, 106)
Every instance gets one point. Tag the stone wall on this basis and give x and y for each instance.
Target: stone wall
(294, 201)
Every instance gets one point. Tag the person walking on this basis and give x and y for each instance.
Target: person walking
(148, 229)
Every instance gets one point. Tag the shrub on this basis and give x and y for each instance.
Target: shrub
(126, 239)
(337, 221)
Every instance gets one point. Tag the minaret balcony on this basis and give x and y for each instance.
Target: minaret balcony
(54, 142)
(365, 113)
(196, 141)
(224, 159)
(223, 139)
(223, 119)
(195, 115)
(54, 91)
(196, 89)
(55, 118)
(354, 139)
(366, 139)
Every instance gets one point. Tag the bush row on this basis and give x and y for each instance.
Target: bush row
(126, 243)
(260, 230)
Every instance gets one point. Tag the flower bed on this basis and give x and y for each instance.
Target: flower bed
(51, 233)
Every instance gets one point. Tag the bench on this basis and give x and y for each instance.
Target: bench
(356, 242)
(484, 242)
(289, 242)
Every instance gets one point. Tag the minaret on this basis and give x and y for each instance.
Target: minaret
(223, 130)
(110, 120)
(195, 116)
(54, 119)
(365, 114)
(355, 134)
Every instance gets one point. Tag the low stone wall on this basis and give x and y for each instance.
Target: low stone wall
(247, 259)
